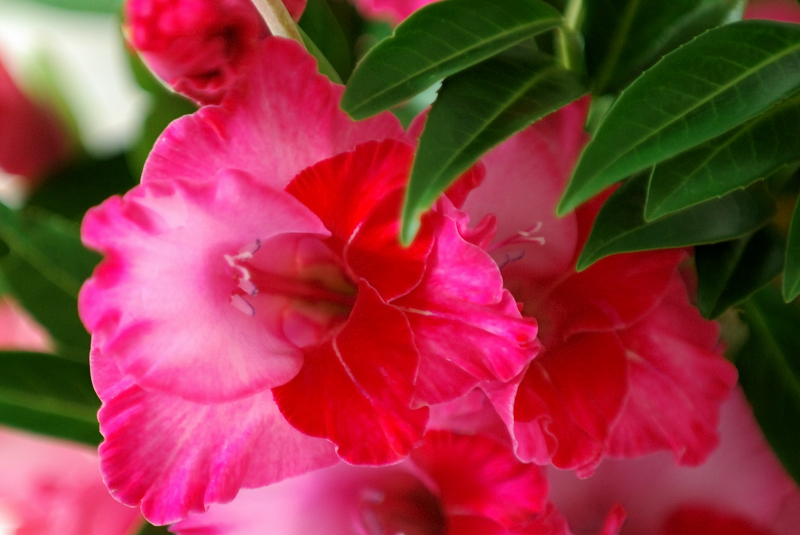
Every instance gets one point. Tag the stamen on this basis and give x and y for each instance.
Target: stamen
(241, 305)
(513, 256)
(522, 236)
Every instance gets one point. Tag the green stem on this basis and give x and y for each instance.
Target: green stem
(567, 47)
(278, 20)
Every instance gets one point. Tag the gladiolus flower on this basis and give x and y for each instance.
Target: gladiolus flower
(742, 489)
(33, 141)
(393, 10)
(451, 485)
(254, 304)
(18, 331)
(780, 10)
(201, 48)
(628, 366)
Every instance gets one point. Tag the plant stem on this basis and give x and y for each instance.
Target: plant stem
(278, 20)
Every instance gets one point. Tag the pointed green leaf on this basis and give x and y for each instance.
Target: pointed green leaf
(45, 270)
(791, 272)
(701, 90)
(48, 395)
(731, 161)
(729, 272)
(439, 40)
(476, 110)
(769, 372)
(624, 37)
(620, 226)
(321, 26)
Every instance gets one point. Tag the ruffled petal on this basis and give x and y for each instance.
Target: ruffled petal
(463, 318)
(285, 118)
(171, 457)
(477, 476)
(160, 303)
(356, 389)
(358, 195)
(568, 400)
(678, 381)
(612, 294)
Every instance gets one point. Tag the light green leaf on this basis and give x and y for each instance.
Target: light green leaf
(49, 395)
(731, 161)
(701, 90)
(439, 40)
(729, 272)
(769, 372)
(476, 110)
(620, 226)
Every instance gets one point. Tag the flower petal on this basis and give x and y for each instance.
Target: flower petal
(171, 457)
(356, 389)
(160, 302)
(678, 381)
(284, 119)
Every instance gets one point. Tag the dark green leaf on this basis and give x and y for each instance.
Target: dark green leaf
(731, 161)
(439, 40)
(620, 226)
(703, 89)
(729, 272)
(321, 26)
(791, 273)
(45, 270)
(323, 65)
(87, 183)
(476, 110)
(49, 395)
(624, 37)
(769, 372)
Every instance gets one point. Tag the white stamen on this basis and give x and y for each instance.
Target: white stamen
(241, 305)
(247, 286)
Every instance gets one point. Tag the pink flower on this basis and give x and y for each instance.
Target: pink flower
(451, 485)
(51, 487)
(741, 489)
(393, 10)
(628, 366)
(254, 304)
(33, 141)
(780, 10)
(201, 48)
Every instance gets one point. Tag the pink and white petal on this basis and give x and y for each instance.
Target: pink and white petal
(525, 177)
(356, 389)
(477, 476)
(172, 457)
(611, 294)
(283, 118)
(676, 385)
(160, 302)
(568, 401)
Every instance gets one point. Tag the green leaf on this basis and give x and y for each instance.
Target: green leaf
(476, 110)
(321, 26)
(149, 529)
(624, 37)
(45, 269)
(323, 65)
(439, 40)
(791, 272)
(620, 226)
(703, 89)
(729, 272)
(769, 372)
(86, 183)
(731, 161)
(49, 395)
